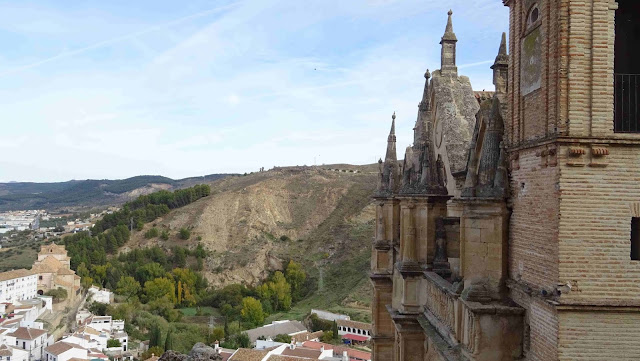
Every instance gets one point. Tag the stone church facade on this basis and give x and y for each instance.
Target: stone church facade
(511, 229)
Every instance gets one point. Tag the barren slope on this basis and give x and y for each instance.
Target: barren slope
(251, 224)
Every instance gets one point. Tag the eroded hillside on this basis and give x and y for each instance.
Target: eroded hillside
(253, 223)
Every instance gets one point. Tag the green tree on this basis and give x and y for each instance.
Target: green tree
(149, 272)
(168, 343)
(184, 233)
(98, 309)
(217, 334)
(280, 292)
(113, 343)
(160, 288)
(334, 330)
(327, 336)
(151, 233)
(295, 276)
(282, 337)
(243, 340)
(58, 294)
(155, 335)
(128, 286)
(155, 350)
(252, 312)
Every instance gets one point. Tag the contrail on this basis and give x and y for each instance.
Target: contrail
(475, 64)
(100, 44)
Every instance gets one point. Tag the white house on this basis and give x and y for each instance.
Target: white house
(10, 353)
(16, 285)
(100, 295)
(64, 351)
(32, 340)
(100, 323)
(348, 327)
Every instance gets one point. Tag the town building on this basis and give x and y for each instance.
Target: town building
(53, 267)
(17, 285)
(284, 327)
(64, 351)
(11, 353)
(535, 255)
(33, 340)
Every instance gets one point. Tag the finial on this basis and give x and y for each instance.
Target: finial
(393, 117)
(380, 161)
(448, 31)
(427, 74)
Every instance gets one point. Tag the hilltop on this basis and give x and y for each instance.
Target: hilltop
(88, 193)
(322, 217)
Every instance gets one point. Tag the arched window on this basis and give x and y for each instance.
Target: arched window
(533, 17)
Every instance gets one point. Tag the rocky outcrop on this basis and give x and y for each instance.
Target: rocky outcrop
(199, 352)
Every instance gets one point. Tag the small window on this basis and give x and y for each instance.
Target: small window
(533, 17)
(635, 239)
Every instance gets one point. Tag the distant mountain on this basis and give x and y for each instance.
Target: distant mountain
(88, 193)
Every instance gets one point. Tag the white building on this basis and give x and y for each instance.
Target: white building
(64, 351)
(100, 323)
(16, 285)
(329, 316)
(100, 295)
(10, 353)
(32, 340)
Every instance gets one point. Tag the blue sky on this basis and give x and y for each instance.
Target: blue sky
(113, 89)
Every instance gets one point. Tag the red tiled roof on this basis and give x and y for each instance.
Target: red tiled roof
(353, 337)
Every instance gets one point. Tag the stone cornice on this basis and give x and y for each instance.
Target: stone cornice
(619, 140)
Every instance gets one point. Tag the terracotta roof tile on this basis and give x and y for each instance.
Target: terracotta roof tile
(245, 354)
(26, 333)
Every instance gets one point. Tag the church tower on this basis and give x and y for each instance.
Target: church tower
(573, 139)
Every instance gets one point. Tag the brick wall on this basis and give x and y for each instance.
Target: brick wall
(533, 240)
(599, 336)
(595, 226)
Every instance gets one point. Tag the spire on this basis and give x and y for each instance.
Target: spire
(424, 103)
(389, 176)
(501, 67)
(449, 35)
(448, 55)
(502, 58)
(391, 140)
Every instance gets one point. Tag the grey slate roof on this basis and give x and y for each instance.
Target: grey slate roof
(275, 329)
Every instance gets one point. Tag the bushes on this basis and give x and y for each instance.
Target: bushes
(58, 294)
(151, 233)
(184, 233)
(113, 343)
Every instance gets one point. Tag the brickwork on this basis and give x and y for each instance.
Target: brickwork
(535, 125)
(584, 335)
(533, 252)
(595, 229)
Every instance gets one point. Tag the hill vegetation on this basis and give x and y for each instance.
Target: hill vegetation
(88, 193)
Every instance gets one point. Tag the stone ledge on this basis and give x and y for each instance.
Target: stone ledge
(445, 350)
(441, 283)
(382, 245)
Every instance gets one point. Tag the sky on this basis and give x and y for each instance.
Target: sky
(114, 89)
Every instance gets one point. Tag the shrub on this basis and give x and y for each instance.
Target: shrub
(151, 233)
(164, 235)
(113, 343)
(185, 234)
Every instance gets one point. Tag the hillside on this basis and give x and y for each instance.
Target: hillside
(252, 224)
(87, 193)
